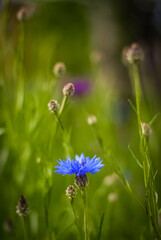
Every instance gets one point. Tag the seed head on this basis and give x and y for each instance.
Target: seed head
(81, 181)
(146, 129)
(22, 14)
(53, 106)
(135, 54)
(22, 208)
(71, 192)
(59, 69)
(91, 119)
(68, 89)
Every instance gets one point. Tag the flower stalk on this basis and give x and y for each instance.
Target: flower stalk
(84, 196)
(135, 71)
(24, 227)
(150, 200)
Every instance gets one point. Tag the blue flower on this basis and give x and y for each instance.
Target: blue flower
(79, 166)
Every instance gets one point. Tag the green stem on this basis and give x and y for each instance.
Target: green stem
(59, 121)
(75, 215)
(24, 228)
(150, 203)
(63, 104)
(84, 195)
(46, 204)
(137, 94)
(20, 69)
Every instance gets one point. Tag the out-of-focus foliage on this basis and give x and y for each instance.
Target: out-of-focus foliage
(31, 141)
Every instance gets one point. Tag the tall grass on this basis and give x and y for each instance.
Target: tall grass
(32, 139)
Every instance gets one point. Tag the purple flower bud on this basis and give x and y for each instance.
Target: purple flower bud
(68, 89)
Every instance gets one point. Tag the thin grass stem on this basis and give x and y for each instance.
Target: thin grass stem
(84, 195)
(24, 228)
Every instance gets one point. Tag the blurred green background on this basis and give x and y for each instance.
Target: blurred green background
(88, 36)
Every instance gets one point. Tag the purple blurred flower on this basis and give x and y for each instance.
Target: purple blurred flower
(82, 86)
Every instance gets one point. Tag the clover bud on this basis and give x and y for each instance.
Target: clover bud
(91, 119)
(53, 106)
(59, 69)
(146, 129)
(71, 192)
(22, 208)
(68, 89)
(81, 181)
(135, 54)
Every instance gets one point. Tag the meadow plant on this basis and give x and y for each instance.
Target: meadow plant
(80, 166)
(35, 131)
(22, 209)
(135, 55)
(59, 69)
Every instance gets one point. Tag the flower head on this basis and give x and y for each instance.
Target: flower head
(71, 192)
(79, 166)
(59, 69)
(22, 208)
(68, 89)
(135, 54)
(146, 129)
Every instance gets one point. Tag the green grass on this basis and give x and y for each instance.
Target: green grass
(31, 139)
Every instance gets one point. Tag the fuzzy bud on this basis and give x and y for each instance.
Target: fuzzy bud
(81, 181)
(22, 14)
(59, 69)
(22, 208)
(91, 119)
(53, 106)
(68, 89)
(135, 54)
(146, 129)
(71, 192)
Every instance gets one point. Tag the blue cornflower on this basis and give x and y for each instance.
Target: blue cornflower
(79, 166)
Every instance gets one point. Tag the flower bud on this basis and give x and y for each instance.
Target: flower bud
(22, 14)
(68, 89)
(71, 192)
(53, 106)
(91, 119)
(81, 181)
(22, 208)
(146, 129)
(135, 54)
(59, 69)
